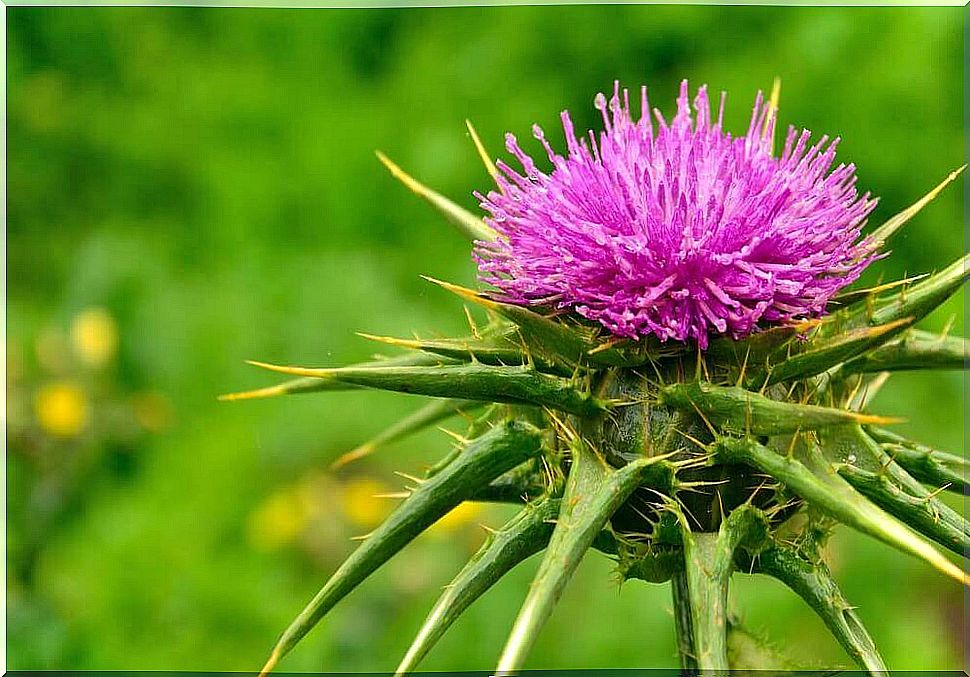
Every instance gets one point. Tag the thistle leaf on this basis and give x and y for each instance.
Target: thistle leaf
(656, 565)
(496, 351)
(813, 583)
(467, 223)
(881, 234)
(873, 472)
(933, 519)
(429, 414)
(928, 465)
(593, 493)
(558, 341)
(518, 485)
(845, 298)
(756, 348)
(915, 349)
(744, 411)
(515, 385)
(486, 458)
(748, 652)
(916, 301)
(314, 385)
(821, 355)
(817, 482)
(526, 534)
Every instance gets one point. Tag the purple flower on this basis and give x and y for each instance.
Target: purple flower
(676, 230)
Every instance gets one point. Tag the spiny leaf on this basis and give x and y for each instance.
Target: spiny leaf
(433, 412)
(881, 234)
(915, 301)
(486, 458)
(744, 411)
(655, 565)
(867, 466)
(313, 385)
(559, 341)
(813, 583)
(947, 527)
(755, 349)
(821, 355)
(497, 350)
(817, 482)
(518, 485)
(526, 534)
(708, 564)
(848, 297)
(892, 312)
(521, 385)
(748, 652)
(470, 225)
(593, 493)
(931, 466)
(915, 349)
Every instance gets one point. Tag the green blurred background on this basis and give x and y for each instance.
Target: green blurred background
(192, 187)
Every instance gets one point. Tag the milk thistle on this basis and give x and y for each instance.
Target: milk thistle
(673, 375)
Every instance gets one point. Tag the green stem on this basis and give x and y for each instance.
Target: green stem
(682, 621)
(708, 564)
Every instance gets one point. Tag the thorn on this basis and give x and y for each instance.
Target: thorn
(471, 322)
(772, 114)
(353, 455)
(691, 438)
(409, 478)
(295, 371)
(699, 484)
(794, 440)
(604, 346)
(480, 147)
(886, 230)
(704, 418)
(881, 329)
(271, 391)
(453, 435)
(401, 175)
(744, 365)
(870, 419)
(463, 292)
(394, 494)
(364, 537)
(873, 386)
(764, 386)
(271, 662)
(392, 341)
(946, 328)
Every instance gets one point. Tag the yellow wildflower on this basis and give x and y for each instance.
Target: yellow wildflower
(95, 336)
(61, 409)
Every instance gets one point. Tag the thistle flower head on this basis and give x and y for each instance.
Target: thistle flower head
(676, 229)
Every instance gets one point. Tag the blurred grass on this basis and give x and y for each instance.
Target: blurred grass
(205, 178)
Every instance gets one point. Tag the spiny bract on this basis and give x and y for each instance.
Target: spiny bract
(730, 440)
